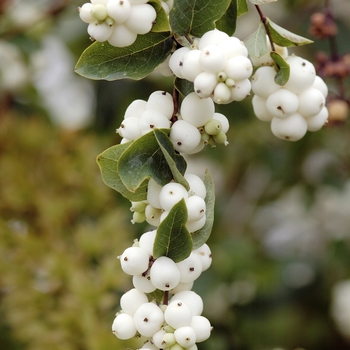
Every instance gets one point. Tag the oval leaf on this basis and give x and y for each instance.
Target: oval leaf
(242, 7)
(227, 23)
(104, 61)
(256, 43)
(283, 73)
(283, 37)
(173, 239)
(183, 86)
(201, 236)
(196, 17)
(108, 164)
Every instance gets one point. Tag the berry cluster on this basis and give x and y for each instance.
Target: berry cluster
(196, 126)
(118, 21)
(177, 322)
(294, 108)
(217, 64)
(160, 200)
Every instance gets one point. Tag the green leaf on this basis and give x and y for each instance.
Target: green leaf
(144, 158)
(104, 61)
(227, 23)
(261, 2)
(108, 164)
(162, 21)
(201, 236)
(157, 296)
(183, 86)
(256, 43)
(283, 37)
(242, 7)
(196, 17)
(176, 162)
(283, 73)
(173, 239)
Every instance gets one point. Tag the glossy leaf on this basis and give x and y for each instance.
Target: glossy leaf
(284, 37)
(144, 158)
(256, 43)
(104, 61)
(173, 239)
(108, 164)
(183, 86)
(227, 23)
(242, 7)
(283, 73)
(196, 17)
(201, 236)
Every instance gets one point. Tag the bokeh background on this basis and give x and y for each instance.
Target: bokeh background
(280, 277)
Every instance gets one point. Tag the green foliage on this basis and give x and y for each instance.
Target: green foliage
(283, 73)
(162, 22)
(104, 61)
(173, 239)
(256, 43)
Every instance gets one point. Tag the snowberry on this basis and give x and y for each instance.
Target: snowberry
(176, 61)
(222, 93)
(282, 103)
(134, 261)
(212, 59)
(239, 68)
(153, 190)
(143, 283)
(141, 18)
(85, 13)
(157, 338)
(202, 328)
(263, 82)
(196, 184)
(138, 206)
(171, 194)
(191, 67)
(311, 102)
(260, 110)
(148, 319)
(122, 36)
(100, 32)
(302, 74)
(181, 287)
(319, 84)
(212, 37)
(99, 12)
(132, 300)
(178, 314)
(223, 120)
(123, 326)
(241, 90)
(168, 340)
(192, 299)
(119, 10)
(185, 336)
(138, 217)
(153, 215)
(146, 241)
(196, 110)
(130, 128)
(292, 128)
(316, 122)
(204, 253)
(135, 109)
(233, 47)
(184, 136)
(190, 268)
(151, 119)
(193, 226)
(204, 84)
(162, 102)
(195, 208)
(164, 273)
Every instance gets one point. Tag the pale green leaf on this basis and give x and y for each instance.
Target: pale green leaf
(283, 73)
(173, 239)
(283, 37)
(242, 7)
(104, 61)
(256, 43)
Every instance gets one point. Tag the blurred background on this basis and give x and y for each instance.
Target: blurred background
(280, 277)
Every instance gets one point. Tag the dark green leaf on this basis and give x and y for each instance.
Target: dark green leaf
(196, 17)
(173, 239)
(201, 236)
(108, 163)
(183, 86)
(227, 23)
(157, 296)
(283, 37)
(283, 73)
(256, 43)
(104, 61)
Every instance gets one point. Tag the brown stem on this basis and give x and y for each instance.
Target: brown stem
(166, 297)
(264, 22)
(176, 105)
